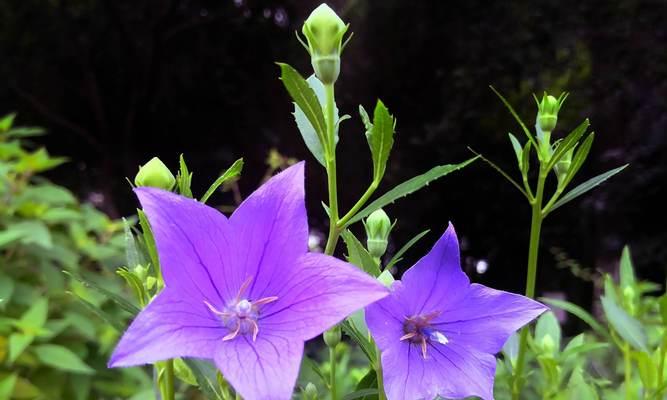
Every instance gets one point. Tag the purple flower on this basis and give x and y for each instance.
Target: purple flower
(242, 291)
(438, 333)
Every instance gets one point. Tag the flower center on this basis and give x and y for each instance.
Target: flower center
(240, 316)
(418, 330)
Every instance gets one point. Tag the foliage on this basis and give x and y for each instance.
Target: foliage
(51, 345)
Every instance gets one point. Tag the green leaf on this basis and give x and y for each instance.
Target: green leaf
(25, 131)
(397, 257)
(369, 381)
(627, 327)
(572, 351)
(547, 324)
(310, 135)
(184, 178)
(579, 159)
(359, 394)
(662, 301)
(578, 388)
(358, 255)
(511, 348)
(569, 142)
(6, 290)
(109, 320)
(525, 159)
(409, 186)
(230, 173)
(307, 101)
(7, 385)
(184, 373)
(364, 343)
(648, 371)
(32, 232)
(502, 173)
(515, 115)
(586, 186)
(206, 375)
(579, 312)
(35, 317)
(131, 253)
(135, 284)
(380, 138)
(124, 304)
(6, 122)
(627, 270)
(149, 241)
(518, 150)
(18, 342)
(61, 358)
(386, 278)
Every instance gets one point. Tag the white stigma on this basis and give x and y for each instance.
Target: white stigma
(439, 337)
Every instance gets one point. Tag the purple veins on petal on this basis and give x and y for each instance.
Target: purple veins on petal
(242, 291)
(438, 334)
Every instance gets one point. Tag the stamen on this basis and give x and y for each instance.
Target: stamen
(408, 336)
(244, 286)
(255, 329)
(424, 347)
(265, 300)
(232, 335)
(215, 310)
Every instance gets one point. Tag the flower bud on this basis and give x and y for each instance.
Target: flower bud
(547, 112)
(332, 336)
(310, 391)
(324, 32)
(548, 345)
(378, 227)
(155, 174)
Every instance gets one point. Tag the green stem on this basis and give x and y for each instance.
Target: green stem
(661, 366)
(380, 377)
(166, 379)
(332, 374)
(355, 209)
(330, 157)
(627, 370)
(533, 248)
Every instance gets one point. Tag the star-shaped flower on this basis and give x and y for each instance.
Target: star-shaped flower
(438, 333)
(242, 291)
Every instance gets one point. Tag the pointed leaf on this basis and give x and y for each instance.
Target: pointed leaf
(627, 271)
(547, 324)
(61, 358)
(124, 304)
(579, 312)
(358, 255)
(409, 186)
(131, 253)
(149, 241)
(627, 327)
(517, 148)
(586, 186)
(380, 139)
(569, 142)
(184, 178)
(231, 172)
(306, 102)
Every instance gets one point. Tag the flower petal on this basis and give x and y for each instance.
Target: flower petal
(168, 327)
(193, 244)
(271, 229)
(436, 279)
(266, 369)
(450, 371)
(385, 318)
(485, 318)
(317, 292)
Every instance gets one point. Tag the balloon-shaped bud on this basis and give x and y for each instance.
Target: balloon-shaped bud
(563, 165)
(324, 32)
(548, 344)
(155, 174)
(332, 336)
(310, 391)
(378, 226)
(547, 111)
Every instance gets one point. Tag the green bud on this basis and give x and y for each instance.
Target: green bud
(378, 226)
(310, 391)
(548, 345)
(155, 174)
(324, 32)
(332, 336)
(141, 272)
(547, 111)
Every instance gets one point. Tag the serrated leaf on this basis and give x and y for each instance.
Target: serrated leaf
(627, 271)
(586, 186)
(408, 187)
(230, 173)
(307, 101)
(61, 358)
(184, 178)
(358, 255)
(405, 248)
(124, 304)
(579, 312)
(625, 325)
(380, 139)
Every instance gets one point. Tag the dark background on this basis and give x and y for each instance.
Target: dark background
(119, 81)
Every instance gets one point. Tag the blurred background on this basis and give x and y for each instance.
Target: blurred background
(116, 82)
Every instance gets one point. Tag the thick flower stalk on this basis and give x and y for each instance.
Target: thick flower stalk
(242, 291)
(438, 333)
